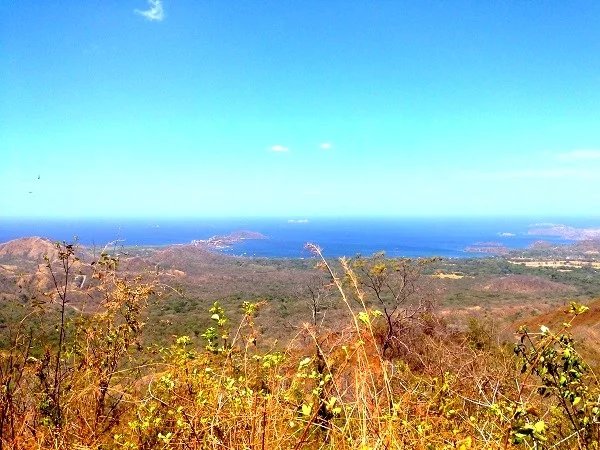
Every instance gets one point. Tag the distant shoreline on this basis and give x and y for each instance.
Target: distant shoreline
(339, 237)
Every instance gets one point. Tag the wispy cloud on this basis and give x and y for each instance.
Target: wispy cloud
(579, 155)
(155, 11)
(279, 148)
(326, 145)
(550, 173)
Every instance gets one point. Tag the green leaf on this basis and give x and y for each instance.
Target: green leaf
(306, 409)
(363, 317)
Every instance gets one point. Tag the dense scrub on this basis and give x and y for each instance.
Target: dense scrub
(386, 374)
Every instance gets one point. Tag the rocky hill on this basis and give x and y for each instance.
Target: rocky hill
(30, 248)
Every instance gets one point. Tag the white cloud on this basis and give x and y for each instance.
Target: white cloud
(325, 146)
(579, 155)
(279, 148)
(155, 11)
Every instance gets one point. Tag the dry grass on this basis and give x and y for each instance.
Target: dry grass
(330, 388)
(450, 276)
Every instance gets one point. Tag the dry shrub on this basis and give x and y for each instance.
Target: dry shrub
(352, 386)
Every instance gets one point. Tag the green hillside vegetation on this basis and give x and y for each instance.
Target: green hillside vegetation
(371, 363)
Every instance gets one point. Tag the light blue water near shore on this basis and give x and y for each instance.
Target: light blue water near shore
(287, 237)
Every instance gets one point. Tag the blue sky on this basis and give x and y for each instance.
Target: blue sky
(277, 108)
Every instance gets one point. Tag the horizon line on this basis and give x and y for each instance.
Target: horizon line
(300, 217)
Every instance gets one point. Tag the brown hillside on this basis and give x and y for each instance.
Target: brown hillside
(523, 284)
(585, 328)
(180, 255)
(32, 248)
(556, 317)
(23, 269)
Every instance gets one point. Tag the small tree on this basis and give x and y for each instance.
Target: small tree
(318, 291)
(85, 377)
(396, 285)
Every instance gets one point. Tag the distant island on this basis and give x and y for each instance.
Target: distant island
(226, 241)
(565, 232)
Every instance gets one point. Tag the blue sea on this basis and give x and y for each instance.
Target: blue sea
(446, 237)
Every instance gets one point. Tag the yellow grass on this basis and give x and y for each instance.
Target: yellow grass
(450, 276)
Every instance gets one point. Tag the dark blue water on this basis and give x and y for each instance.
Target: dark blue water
(337, 237)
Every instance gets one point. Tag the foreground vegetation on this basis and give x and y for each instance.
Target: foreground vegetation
(384, 372)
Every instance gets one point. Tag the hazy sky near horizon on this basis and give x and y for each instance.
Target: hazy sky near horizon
(315, 108)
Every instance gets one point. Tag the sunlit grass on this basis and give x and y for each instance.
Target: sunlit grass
(333, 386)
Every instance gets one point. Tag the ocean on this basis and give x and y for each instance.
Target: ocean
(409, 237)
